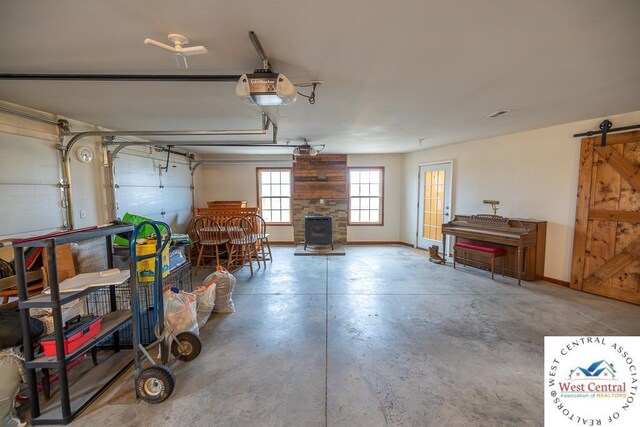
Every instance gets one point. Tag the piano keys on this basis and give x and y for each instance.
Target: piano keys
(524, 240)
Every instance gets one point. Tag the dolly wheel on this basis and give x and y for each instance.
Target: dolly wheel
(186, 346)
(155, 384)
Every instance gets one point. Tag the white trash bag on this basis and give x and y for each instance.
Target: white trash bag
(180, 314)
(9, 386)
(225, 282)
(206, 299)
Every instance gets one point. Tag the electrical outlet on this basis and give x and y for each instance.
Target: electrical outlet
(83, 213)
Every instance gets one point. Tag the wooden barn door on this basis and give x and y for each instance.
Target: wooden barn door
(606, 245)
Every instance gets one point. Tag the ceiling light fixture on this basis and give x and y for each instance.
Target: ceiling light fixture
(307, 150)
(266, 88)
(179, 50)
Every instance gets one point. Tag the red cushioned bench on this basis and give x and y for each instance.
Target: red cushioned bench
(481, 249)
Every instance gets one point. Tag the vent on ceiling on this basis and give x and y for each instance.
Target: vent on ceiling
(497, 114)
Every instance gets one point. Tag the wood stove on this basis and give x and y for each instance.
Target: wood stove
(318, 230)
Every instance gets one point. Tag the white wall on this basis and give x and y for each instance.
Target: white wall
(534, 174)
(390, 231)
(237, 181)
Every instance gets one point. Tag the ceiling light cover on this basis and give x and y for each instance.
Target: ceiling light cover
(305, 150)
(266, 88)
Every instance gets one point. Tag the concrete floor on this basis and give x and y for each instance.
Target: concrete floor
(377, 337)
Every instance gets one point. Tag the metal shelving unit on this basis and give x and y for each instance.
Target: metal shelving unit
(71, 398)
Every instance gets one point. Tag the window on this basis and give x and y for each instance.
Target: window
(366, 196)
(274, 195)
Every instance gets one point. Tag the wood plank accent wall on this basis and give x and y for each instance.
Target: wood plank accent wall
(322, 176)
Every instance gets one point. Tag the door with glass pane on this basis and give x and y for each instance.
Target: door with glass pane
(434, 203)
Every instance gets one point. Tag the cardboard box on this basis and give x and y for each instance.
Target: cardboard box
(64, 261)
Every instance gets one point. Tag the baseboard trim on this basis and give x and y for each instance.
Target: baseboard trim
(555, 281)
(409, 245)
(373, 242)
(377, 242)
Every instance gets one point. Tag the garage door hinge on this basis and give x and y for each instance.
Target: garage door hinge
(161, 186)
(63, 184)
(163, 213)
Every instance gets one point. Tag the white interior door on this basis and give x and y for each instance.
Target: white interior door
(434, 203)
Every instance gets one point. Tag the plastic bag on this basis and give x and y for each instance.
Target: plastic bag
(225, 282)
(180, 311)
(133, 219)
(9, 387)
(206, 299)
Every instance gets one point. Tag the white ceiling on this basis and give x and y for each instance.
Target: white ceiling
(394, 72)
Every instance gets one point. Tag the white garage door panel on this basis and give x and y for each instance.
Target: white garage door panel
(28, 160)
(134, 170)
(140, 191)
(29, 192)
(139, 200)
(176, 199)
(176, 220)
(179, 176)
(32, 208)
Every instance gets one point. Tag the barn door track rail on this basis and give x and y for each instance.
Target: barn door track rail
(605, 128)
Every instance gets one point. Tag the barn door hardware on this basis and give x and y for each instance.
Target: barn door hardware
(605, 128)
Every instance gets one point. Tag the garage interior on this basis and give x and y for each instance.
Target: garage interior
(441, 186)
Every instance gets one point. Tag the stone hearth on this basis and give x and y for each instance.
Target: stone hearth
(337, 208)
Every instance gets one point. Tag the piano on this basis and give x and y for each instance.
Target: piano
(524, 240)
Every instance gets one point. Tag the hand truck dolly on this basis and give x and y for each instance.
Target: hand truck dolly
(155, 383)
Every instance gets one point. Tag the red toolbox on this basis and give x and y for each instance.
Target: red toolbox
(77, 331)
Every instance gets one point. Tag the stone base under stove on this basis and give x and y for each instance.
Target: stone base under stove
(338, 250)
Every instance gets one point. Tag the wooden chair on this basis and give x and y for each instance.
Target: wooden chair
(210, 234)
(262, 237)
(193, 251)
(242, 242)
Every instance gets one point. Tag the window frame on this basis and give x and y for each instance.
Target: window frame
(259, 197)
(365, 168)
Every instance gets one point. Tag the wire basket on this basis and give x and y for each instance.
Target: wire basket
(99, 303)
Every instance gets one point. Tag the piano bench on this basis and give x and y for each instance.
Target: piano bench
(482, 249)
